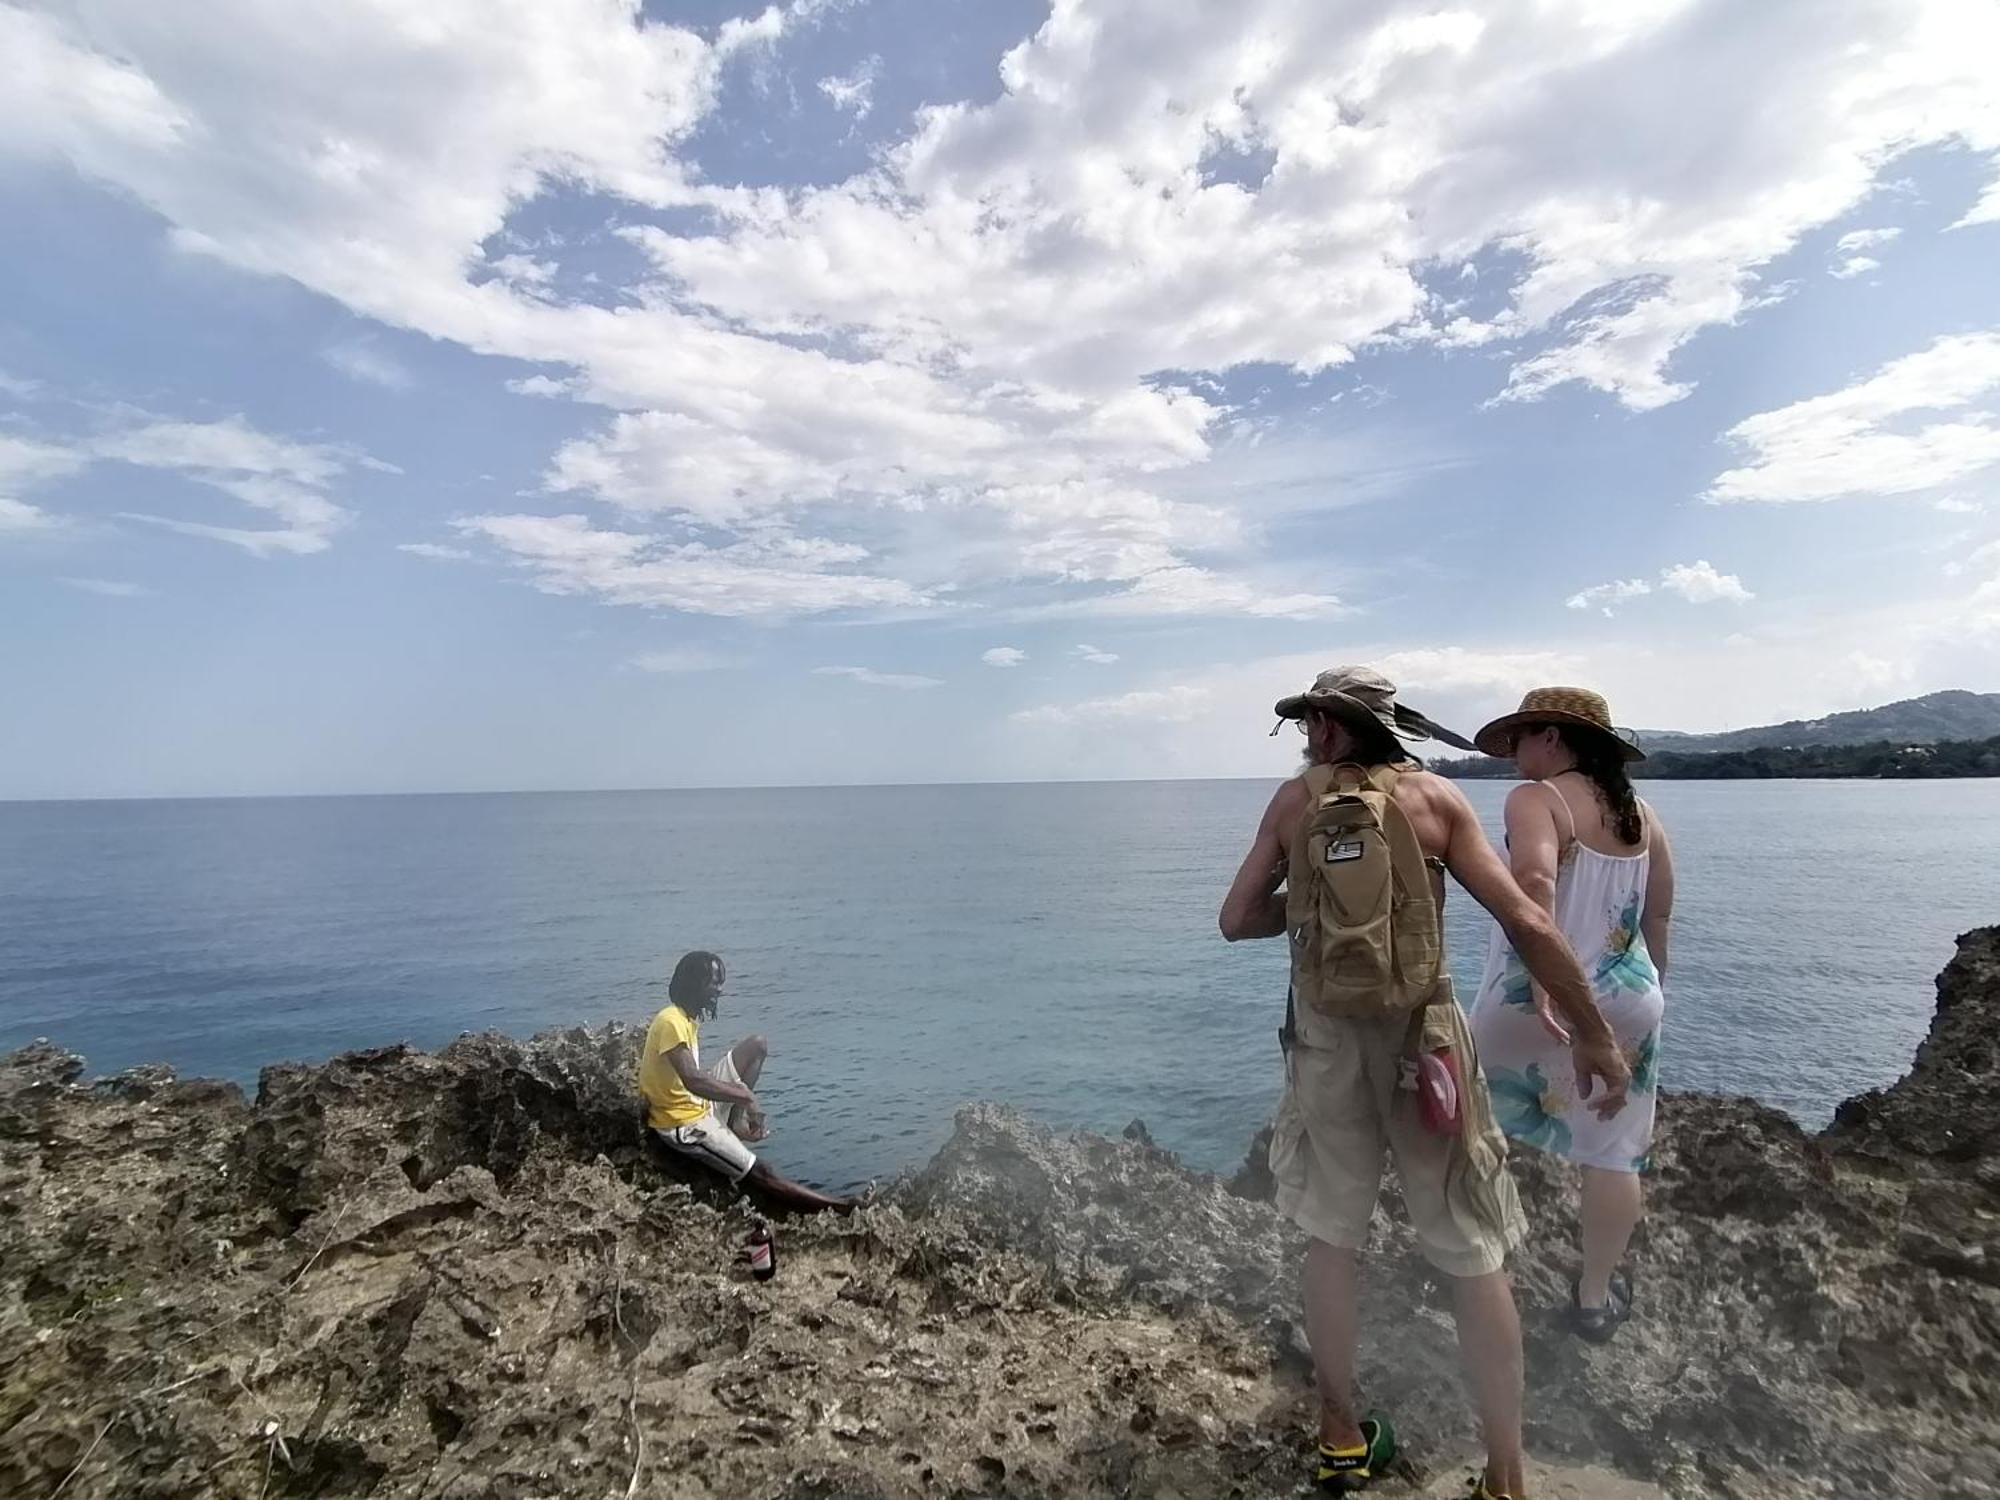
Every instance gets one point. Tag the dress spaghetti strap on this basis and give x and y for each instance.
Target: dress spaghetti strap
(1568, 818)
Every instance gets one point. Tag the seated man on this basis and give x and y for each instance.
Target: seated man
(681, 1095)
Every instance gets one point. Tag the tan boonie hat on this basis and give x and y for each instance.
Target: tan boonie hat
(1347, 691)
(1556, 705)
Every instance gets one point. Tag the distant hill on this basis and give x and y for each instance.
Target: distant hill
(1955, 720)
(1951, 715)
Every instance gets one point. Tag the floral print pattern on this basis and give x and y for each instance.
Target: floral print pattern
(1644, 1060)
(1528, 1108)
(1600, 901)
(1627, 964)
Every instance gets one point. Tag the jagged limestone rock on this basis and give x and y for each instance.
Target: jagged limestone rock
(399, 1274)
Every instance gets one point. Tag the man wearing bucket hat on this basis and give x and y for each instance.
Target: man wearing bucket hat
(1349, 854)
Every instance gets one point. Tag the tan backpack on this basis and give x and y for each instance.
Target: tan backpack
(1361, 908)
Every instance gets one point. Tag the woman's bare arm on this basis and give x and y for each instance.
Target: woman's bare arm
(1655, 921)
(1534, 852)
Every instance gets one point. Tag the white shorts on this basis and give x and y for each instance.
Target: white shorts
(709, 1140)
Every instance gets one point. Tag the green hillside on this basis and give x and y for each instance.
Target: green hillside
(1951, 715)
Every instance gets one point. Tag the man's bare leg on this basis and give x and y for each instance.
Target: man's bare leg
(1332, 1293)
(1489, 1342)
(748, 1056)
(1613, 1203)
(795, 1195)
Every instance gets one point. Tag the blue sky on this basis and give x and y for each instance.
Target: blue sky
(556, 393)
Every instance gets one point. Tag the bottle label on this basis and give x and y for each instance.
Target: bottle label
(760, 1258)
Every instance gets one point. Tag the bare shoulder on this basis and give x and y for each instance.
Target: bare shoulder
(1435, 805)
(1428, 789)
(1291, 792)
(1288, 807)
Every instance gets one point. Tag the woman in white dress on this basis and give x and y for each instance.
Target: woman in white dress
(1582, 844)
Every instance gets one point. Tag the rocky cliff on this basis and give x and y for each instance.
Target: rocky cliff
(400, 1274)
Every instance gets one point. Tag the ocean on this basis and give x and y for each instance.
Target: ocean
(907, 949)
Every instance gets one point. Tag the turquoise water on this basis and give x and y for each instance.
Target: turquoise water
(909, 948)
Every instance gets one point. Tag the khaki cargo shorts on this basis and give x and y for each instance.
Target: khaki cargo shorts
(1344, 1107)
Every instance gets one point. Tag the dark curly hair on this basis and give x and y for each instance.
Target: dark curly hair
(1599, 758)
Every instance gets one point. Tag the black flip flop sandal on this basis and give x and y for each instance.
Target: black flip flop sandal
(1598, 1325)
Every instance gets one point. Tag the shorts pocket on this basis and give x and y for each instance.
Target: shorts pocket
(1288, 1130)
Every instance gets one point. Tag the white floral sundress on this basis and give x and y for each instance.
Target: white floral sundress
(1599, 901)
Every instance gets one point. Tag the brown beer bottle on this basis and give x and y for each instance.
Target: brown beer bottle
(762, 1251)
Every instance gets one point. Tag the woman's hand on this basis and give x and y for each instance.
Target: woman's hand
(1545, 1012)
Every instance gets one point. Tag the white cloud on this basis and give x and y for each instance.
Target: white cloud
(369, 364)
(1958, 505)
(1985, 211)
(1186, 590)
(1847, 443)
(25, 465)
(973, 323)
(854, 93)
(287, 479)
(20, 387)
(1849, 260)
(1041, 232)
(435, 552)
(769, 577)
(1877, 674)
(680, 659)
(1983, 559)
(25, 462)
(1004, 656)
(1173, 705)
(905, 680)
(1696, 582)
(18, 518)
(1458, 669)
(1699, 583)
(540, 385)
(109, 588)
(1608, 596)
(1094, 655)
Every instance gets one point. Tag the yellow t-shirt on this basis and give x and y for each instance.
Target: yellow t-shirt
(668, 1102)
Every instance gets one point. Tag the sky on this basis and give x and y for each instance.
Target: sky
(575, 393)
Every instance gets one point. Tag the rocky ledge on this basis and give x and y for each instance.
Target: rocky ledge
(461, 1275)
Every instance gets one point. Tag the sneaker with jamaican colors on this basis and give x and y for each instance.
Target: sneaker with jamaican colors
(1344, 1471)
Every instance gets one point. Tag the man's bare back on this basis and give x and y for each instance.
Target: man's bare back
(1433, 805)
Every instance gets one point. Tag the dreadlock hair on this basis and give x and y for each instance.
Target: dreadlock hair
(1598, 758)
(1372, 743)
(695, 976)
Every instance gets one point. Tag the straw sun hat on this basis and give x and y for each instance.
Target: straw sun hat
(1556, 705)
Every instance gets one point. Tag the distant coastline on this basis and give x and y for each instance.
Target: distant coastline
(1879, 760)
